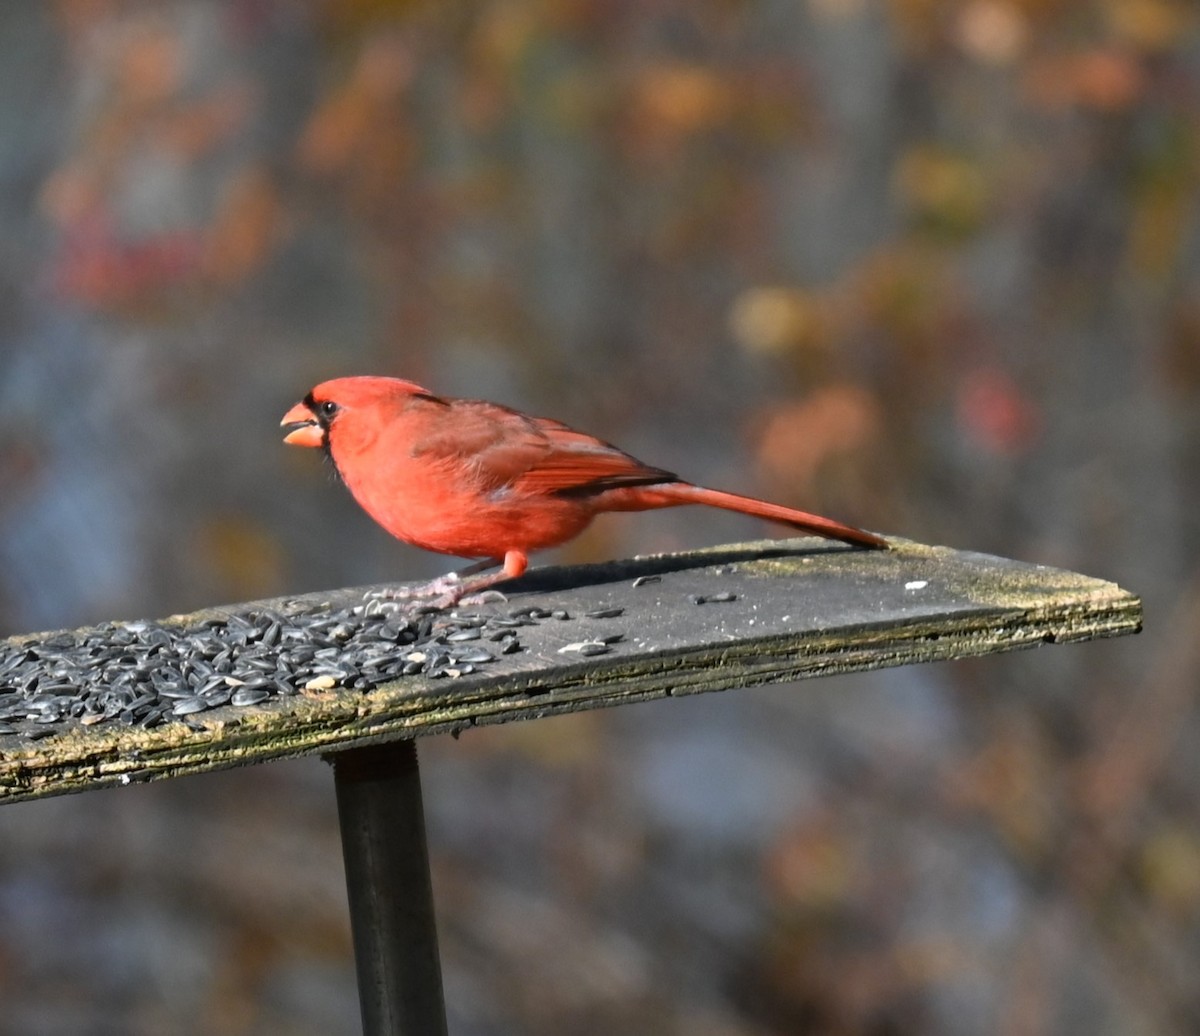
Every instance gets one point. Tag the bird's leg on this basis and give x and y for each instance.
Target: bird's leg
(477, 590)
(456, 587)
(453, 582)
(450, 583)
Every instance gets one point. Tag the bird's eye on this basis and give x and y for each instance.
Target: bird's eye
(327, 409)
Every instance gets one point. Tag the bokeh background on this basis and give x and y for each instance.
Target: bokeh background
(931, 266)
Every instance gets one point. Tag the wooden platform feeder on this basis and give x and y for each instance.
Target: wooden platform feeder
(347, 676)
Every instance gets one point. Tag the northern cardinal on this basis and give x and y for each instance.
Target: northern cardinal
(480, 480)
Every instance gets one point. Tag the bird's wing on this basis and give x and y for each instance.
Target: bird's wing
(456, 430)
(505, 449)
(577, 464)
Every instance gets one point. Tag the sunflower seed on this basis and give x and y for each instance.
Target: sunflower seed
(594, 649)
(218, 696)
(584, 647)
(717, 598)
(249, 696)
(147, 673)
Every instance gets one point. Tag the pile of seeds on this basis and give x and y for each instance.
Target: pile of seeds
(147, 673)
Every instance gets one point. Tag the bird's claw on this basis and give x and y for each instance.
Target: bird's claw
(444, 592)
(459, 596)
(484, 597)
(440, 587)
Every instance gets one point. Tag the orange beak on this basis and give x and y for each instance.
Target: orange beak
(305, 429)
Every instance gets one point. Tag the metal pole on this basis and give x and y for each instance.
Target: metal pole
(391, 900)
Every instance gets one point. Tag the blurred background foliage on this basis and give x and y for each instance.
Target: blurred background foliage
(932, 266)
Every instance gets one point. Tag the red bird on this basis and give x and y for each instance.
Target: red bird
(480, 480)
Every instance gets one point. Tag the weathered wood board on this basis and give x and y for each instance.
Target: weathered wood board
(784, 610)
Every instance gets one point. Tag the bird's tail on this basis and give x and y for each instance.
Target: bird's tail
(672, 493)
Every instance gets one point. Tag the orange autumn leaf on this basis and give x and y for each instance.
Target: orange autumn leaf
(1100, 78)
(799, 437)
